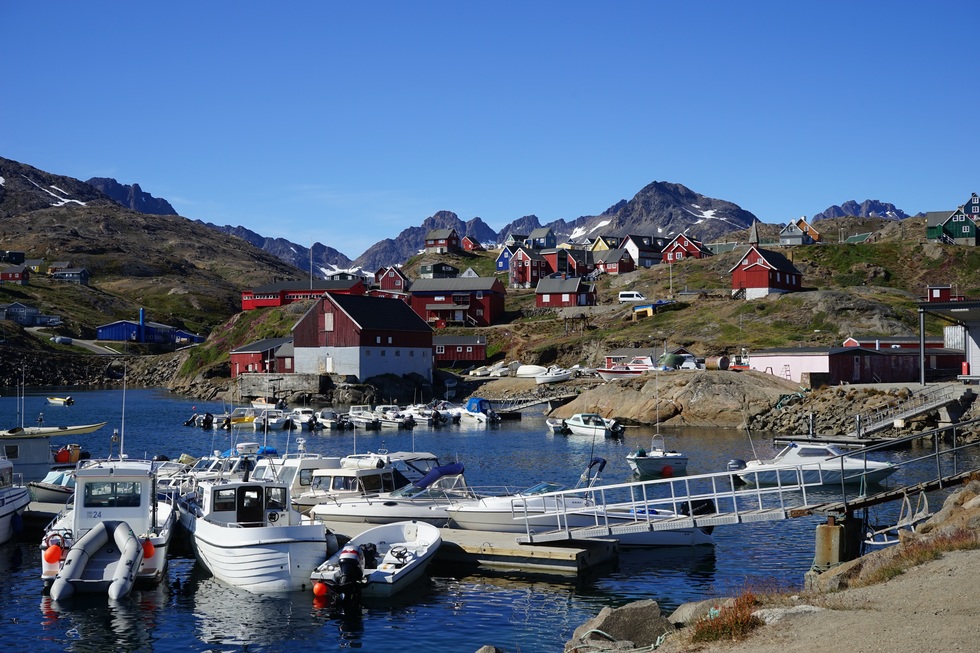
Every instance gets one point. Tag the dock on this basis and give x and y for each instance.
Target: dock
(502, 550)
(846, 441)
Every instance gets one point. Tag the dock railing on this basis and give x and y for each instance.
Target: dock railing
(715, 499)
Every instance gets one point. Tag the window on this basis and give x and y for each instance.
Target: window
(459, 350)
(389, 340)
(966, 229)
(328, 321)
(545, 299)
(479, 294)
(479, 312)
(469, 350)
(440, 349)
(224, 500)
(377, 340)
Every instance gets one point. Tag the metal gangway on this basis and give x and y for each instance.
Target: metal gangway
(919, 402)
(708, 500)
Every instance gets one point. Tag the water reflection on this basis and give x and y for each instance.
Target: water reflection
(92, 623)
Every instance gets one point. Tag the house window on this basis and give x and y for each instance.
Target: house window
(377, 340)
(566, 297)
(398, 283)
(440, 349)
(439, 298)
(459, 350)
(479, 312)
(469, 350)
(545, 299)
(680, 255)
(328, 321)
(398, 352)
(479, 294)
(966, 229)
(389, 340)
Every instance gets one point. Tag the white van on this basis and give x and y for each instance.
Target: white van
(631, 296)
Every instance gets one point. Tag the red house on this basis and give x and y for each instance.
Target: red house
(762, 272)
(942, 294)
(682, 247)
(441, 241)
(455, 349)
(614, 261)
(463, 301)
(569, 262)
(391, 278)
(362, 337)
(287, 292)
(558, 293)
(19, 274)
(259, 356)
(527, 267)
(894, 342)
(471, 244)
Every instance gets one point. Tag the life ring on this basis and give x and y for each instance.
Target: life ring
(54, 539)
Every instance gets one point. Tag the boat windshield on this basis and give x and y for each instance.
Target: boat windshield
(543, 488)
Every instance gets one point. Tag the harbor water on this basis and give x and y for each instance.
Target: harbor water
(455, 609)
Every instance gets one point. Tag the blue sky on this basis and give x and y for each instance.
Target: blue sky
(345, 123)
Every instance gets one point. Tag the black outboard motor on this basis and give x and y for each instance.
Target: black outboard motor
(350, 574)
(208, 421)
(736, 465)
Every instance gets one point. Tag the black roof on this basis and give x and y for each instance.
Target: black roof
(380, 313)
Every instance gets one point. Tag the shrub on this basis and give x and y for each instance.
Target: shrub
(730, 623)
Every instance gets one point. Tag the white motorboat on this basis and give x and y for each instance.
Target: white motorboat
(302, 417)
(479, 410)
(543, 507)
(248, 536)
(812, 463)
(14, 497)
(657, 460)
(553, 374)
(424, 500)
(380, 562)
(589, 424)
(57, 487)
(79, 429)
(265, 403)
(359, 475)
(529, 371)
(114, 534)
(363, 417)
(294, 469)
(328, 418)
(637, 366)
(272, 419)
(61, 401)
(391, 416)
(228, 464)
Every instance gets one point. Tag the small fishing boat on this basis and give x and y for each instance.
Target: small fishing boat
(553, 374)
(79, 429)
(58, 486)
(589, 424)
(479, 410)
(380, 562)
(529, 371)
(61, 401)
(657, 460)
(114, 534)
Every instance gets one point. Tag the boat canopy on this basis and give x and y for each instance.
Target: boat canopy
(452, 469)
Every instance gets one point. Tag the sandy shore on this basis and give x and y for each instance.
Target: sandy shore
(930, 608)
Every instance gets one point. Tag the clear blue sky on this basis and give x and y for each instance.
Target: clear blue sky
(344, 123)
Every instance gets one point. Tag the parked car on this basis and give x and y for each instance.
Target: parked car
(631, 296)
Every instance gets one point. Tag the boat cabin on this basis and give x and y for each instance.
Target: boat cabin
(113, 492)
(246, 503)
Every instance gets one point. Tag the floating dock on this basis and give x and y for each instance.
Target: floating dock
(502, 551)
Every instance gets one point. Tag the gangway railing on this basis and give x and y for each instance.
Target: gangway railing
(707, 500)
(917, 403)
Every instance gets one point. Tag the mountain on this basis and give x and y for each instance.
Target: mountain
(393, 251)
(184, 273)
(866, 209)
(326, 260)
(132, 197)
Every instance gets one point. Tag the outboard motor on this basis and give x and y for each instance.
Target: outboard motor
(736, 465)
(351, 566)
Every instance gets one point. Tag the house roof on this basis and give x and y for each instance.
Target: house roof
(775, 259)
(262, 346)
(606, 255)
(379, 313)
(530, 253)
(541, 232)
(858, 238)
(458, 284)
(572, 285)
(439, 234)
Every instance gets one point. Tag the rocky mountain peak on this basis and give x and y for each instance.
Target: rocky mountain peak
(866, 209)
(132, 196)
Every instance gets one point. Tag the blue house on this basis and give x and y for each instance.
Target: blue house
(542, 238)
(145, 331)
(503, 258)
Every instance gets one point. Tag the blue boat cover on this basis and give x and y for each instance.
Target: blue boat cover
(437, 472)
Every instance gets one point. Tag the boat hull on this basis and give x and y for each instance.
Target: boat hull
(654, 464)
(813, 476)
(266, 559)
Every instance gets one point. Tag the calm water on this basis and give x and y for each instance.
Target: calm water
(455, 610)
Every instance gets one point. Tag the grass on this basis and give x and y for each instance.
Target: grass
(730, 623)
(916, 552)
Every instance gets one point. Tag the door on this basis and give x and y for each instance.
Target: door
(250, 506)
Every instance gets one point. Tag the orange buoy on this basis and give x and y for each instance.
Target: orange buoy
(148, 549)
(52, 554)
(320, 588)
(667, 471)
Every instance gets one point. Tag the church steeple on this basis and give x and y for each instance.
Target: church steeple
(754, 233)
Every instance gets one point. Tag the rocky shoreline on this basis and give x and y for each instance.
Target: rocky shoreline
(723, 399)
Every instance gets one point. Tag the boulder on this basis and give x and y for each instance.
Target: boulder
(634, 625)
